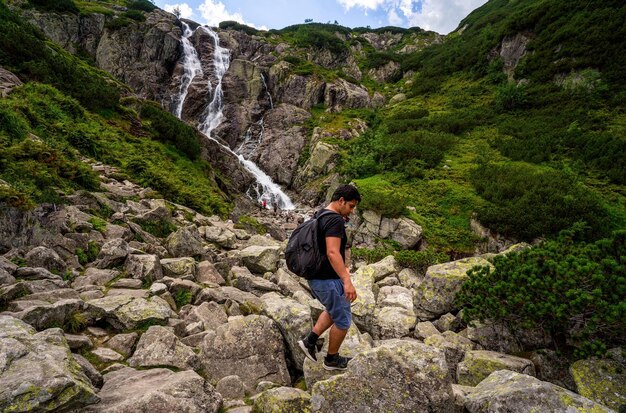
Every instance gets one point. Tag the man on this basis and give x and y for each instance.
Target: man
(332, 285)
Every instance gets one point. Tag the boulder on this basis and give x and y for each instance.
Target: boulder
(90, 371)
(207, 273)
(156, 390)
(113, 253)
(186, 242)
(123, 343)
(74, 313)
(436, 294)
(231, 387)
(95, 276)
(106, 355)
(454, 347)
(223, 237)
(179, 267)
(398, 376)
(250, 347)
(260, 259)
(447, 322)
(28, 273)
(283, 399)
(38, 372)
(127, 313)
(508, 391)
(288, 283)
(603, 381)
(243, 279)
(479, 364)
(394, 316)
(45, 258)
(425, 329)
(159, 346)
(210, 314)
(6, 278)
(293, 319)
(145, 267)
(493, 336)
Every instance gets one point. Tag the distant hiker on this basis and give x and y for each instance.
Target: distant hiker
(265, 204)
(332, 285)
(275, 206)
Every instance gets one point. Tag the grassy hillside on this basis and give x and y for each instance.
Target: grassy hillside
(67, 109)
(532, 154)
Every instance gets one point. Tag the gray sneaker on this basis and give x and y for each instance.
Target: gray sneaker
(339, 363)
(309, 351)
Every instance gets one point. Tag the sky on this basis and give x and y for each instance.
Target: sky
(441, 16)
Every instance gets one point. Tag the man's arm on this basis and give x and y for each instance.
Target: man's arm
(333, 246)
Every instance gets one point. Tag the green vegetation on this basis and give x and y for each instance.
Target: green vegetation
(417, 260)
(573, 290)
(85, 257)
(61, 6)
(182, 297)
(99, 224)
(46, 128)
(161, 228)
(233, 25)
(251, 224)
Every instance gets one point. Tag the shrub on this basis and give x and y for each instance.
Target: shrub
(250, 223)
(182, 297)
(118, 23)
(510, 96)
(13, 128)
(379, 196)
(167, 128)
(573, 290)
(62, 6)
(135, 15)
(526, 202)
(233, 25)
(143, 5)
(420, 260)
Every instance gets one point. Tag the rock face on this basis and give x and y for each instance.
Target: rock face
(250, 347)
(156, 390)
(8, 81)
(37, 371)
(507, 391)
(398, 376)
(370, 226)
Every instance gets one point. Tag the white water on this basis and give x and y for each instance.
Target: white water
(265, 188)
(191, 66)
(250, 140)
(269, 95)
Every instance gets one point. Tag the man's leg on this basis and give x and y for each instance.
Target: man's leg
(337, 336)
(323, 323)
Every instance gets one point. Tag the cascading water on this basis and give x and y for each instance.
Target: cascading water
(191, 67)
(267, 90)
(265, 188)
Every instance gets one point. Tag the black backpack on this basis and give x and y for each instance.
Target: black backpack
(303, 254)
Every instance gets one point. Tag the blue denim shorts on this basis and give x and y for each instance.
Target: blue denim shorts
(330, 293)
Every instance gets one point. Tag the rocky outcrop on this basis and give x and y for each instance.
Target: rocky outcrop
(506, 390)
(8, 81)
(37, 371)
(369, 227)
(399, 376)
(511, 50)
(156, 390)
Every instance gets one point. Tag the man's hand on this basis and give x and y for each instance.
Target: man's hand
(349, 290)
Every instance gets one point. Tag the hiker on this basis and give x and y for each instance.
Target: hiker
(265, 204)
(332, 285)
(275, 206)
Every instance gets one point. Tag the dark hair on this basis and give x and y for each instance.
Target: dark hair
(347, 192)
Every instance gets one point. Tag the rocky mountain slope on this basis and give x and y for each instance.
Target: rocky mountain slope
(121, 302)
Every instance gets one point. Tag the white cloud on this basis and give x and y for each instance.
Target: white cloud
(442, 16)
(184, 9)
(215, 12)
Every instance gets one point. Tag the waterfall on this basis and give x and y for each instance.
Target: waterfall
(191, 67)
(250, 140)
(269, 95)
(265, 188)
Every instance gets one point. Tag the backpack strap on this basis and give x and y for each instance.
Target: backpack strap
(321, 214)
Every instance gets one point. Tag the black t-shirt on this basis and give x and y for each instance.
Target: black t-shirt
(330, 225)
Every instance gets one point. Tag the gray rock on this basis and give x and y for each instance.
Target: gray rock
(210, 314)
(8, 266)
(231, 387)
(127, 283)
(365, 304)
(447, 322)
(6, 278)
(283, 399)
(493, 336)
(250, 347)
(113, 253)
(260, 259)
(28, 273)
(38, 372)
(156, 390)
(207, 273)
(223, 237)
(293, 319)
(45, 258)
(479, 364)
(78, 342)
(90, 371)
(186, 242)
(552, 367)
(179, 267)
(95, 276)
(145, 267)
(436, 294)
(243, 279)
(425, 329)
(454, 347)
(603, 381)
(398, 376)
(159, 346)
(508, 391)
(125, 312)
(123, 343)
(288, 283)
(106, 355)
(70, 312)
